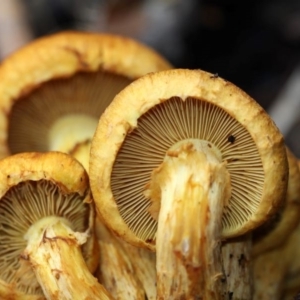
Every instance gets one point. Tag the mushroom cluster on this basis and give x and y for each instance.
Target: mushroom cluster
(52, 92)
(124, 178)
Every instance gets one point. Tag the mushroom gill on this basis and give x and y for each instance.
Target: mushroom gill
(62, 113)
(145, 147)
(20, 208)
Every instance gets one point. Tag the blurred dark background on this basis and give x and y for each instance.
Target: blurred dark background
(254, 44)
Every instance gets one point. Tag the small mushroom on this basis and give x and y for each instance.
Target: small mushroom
(275, 232)
(180, 161)
(47, 240)
(53, 90)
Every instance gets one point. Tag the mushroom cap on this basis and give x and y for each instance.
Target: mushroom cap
(23, 177)
(275, 232)
(61, 56)
(254, 149)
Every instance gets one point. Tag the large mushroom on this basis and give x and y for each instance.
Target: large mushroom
(47, 240)
(180, 161)
(53, 90)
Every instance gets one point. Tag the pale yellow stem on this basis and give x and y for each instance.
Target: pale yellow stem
(238, 267)
(144, 264)
(116, 272)
(53, 251)
(193, 186)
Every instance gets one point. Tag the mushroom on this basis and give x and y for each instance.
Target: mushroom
(53, 90)
(275, 232)
(47, 240)
(181, 160)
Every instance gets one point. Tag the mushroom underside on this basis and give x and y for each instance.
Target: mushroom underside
(175, 121)
(61, 113)
(20, 208)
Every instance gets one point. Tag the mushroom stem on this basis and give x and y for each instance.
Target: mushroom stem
(53, 250)
(144, 264)
(192, 185)
(116, 271)
(238, 268)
